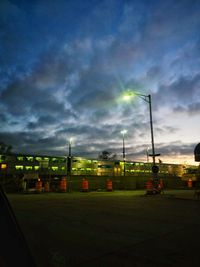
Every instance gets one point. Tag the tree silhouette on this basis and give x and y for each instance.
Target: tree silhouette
(106, 155)
(5, 149)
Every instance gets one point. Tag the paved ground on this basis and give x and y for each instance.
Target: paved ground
(111, 229)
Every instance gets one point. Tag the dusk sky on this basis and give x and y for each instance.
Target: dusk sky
(64, 66)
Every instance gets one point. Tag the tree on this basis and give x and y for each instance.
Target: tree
(106, 155)
(5, 149)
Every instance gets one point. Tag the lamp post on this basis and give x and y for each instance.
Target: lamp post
(70, 148)
(123, 150)
(146, 98)
(69, 158)
(147, 153)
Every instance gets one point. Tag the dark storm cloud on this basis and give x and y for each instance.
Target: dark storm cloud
(18, 139)
(23, 96)
(154, 73)
(85, 132)
(170, 22)
(42, 122)
(35, 92)
(191, 109)
(120, 52)
(96, 85)
(32, 142)
(3, 118)
(166, 129)
(17, 96)
(53, 67)
(177, 148)
(184, 91)
(187, 58)
(48, 105)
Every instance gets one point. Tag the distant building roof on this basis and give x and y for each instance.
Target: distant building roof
(197, 152)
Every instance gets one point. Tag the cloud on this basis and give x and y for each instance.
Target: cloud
(154, 73)
(184, 91)
(169, 152)
(166, 129)
(63, 77)
(176, 148)
(192, 109)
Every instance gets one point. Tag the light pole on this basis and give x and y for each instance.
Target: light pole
(69, 158)
(146, 98)
(70, 148)
(123, 150)
(147, 153)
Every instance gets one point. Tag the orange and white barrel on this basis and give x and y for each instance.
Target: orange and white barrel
(149, 187)
(85, 185)
(190, 183)
(109, 185)
(38, 186)
(63, 184)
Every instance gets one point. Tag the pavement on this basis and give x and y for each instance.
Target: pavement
(187, 194)
(120, 228)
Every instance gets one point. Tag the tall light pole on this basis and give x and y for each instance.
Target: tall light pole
(70, 148)
(146, 98)
(123, 150)
(147, 153)
(69, 158)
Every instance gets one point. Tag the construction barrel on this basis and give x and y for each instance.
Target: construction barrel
(190, 183)
(63, 184)
(109, 185)
(149, 187)
(85, 185)
(38, 186)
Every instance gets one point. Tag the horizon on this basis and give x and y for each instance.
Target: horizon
(159, 160)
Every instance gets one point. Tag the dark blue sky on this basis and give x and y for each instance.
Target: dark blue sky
(65, 64)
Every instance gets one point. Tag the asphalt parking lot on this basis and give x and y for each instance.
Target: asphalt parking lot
(122, 228)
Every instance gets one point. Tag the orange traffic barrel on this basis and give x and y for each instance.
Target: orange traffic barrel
(109, 185)
(63, 185)
(190, 182)
(85, 185)
(46, 187)
(38, 186)
(149, 187)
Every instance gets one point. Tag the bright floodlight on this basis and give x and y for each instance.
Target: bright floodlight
(123, 132)
(71, 139)
(128, 95)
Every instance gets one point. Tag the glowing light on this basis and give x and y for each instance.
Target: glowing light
(3, 166)
(128, 95)
(123, 132)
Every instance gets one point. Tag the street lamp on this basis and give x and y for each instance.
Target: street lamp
(147, 153)
(123, 149)
(70, 147)
(147, 98)
(69, 158)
